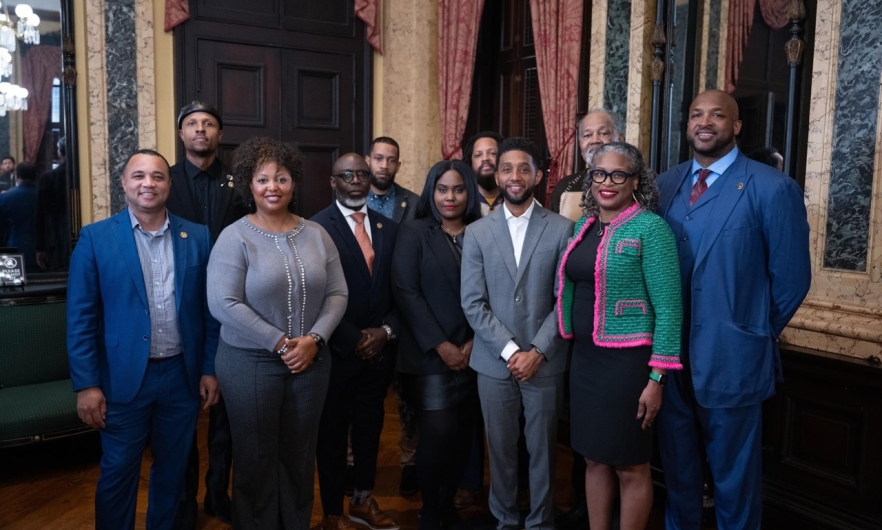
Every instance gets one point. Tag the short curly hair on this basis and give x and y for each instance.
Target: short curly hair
(647, 190)
(249, 156)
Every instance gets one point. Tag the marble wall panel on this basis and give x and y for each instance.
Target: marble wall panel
(597, 54)
(618, 37)
(122, 91)
(854, 135)
(639, 104)
(146, 71)
(97, 112)
(712, 52)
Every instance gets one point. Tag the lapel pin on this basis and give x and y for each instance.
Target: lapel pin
(740, 185)
(229, 177)
(230, 184)
(379, 225)
(184, 235)
(404, 204)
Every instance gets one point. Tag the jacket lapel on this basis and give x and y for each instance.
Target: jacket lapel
(343, 230)
(180, 255)
(534, 233)
(125, 238)
(378, 242)
(439, 246)
(499, 229)
(669, 191)
(226, 197)
(731, 189)
(181, 192)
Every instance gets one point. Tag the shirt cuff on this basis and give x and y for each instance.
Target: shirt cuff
(509, 350)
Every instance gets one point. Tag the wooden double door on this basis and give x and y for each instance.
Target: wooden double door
(293, 70)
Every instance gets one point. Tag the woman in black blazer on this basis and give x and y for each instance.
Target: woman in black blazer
(433, 354)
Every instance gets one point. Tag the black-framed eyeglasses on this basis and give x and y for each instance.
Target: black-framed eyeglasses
(617, 177)
(348, 176)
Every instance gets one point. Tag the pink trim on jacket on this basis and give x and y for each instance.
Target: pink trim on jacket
(561, 272)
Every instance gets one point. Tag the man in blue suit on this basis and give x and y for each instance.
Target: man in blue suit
(742, 237)
(141, 343)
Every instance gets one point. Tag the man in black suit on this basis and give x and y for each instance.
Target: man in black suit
(202, 192)
(362, 354)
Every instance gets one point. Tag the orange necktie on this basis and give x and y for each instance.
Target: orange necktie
(363, 240)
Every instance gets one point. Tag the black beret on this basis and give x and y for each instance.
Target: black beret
(199, 106)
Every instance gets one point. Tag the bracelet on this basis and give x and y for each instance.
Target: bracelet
(283, 349)
(319, 341)
(389, 334)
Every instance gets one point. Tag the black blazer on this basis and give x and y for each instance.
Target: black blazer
(370, 296)
(182, 203)
(426, 277)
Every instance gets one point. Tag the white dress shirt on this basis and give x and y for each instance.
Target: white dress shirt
(517, 227)
(347, 213)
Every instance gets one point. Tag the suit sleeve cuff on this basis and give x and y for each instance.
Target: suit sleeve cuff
(509, 350)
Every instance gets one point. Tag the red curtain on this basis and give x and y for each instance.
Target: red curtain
(38, 67)
(176, 12)
(458, 23)
(557, 34)
(369, 13)
(774, 14)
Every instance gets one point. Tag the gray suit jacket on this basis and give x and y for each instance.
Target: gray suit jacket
(503, 302)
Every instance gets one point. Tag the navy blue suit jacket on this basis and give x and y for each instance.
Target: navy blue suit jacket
(108, 322)
(370, 295)
(751, 272)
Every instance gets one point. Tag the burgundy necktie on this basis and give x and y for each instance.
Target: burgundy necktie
(700, 185)
(363, 240)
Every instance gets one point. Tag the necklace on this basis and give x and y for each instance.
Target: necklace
(600, 228)
(452, 233)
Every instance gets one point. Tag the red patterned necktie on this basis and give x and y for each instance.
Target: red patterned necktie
(700, 185)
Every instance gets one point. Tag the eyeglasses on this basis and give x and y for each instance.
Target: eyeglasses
(348, 176)
(617, 177)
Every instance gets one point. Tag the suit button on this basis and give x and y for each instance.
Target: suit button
(518, 298)
(145, 337)
(688, 218)
(683, 238)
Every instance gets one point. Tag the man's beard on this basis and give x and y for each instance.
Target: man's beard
(722, 142)
(516, 201)
(352, 204)
(487, 182)
(380, 184)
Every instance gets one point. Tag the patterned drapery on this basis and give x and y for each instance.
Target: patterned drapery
(774, 14)
(368, 11)
(39, 65)
(557, 34)
(176, 12)
(458, 23)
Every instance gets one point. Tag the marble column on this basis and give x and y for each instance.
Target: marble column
(842, 314)
(408, 74)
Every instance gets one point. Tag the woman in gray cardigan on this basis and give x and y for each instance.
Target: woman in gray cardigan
(276, 285)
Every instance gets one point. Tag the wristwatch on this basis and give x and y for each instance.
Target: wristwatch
(319, 341)
(661, 379)
(389, 334)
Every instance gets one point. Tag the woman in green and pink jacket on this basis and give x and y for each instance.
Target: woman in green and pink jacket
(619, 300)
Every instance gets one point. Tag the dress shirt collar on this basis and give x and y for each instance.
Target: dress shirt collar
(193, 171)
(137, 224)
(717, 168)
(526, 215)
(347, 212)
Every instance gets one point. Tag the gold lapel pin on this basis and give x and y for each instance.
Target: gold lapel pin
(740, 185)
(403, 204)
(379, 225)
(230, 184)
(184, 235)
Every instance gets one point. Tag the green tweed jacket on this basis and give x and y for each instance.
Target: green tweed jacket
(637, 281)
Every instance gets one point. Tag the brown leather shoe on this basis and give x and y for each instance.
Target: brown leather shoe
(336, 522)
(370, 515)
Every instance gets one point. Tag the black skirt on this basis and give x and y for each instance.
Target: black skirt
(605, 383)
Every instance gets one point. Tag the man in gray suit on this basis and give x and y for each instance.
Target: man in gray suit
(509, 263)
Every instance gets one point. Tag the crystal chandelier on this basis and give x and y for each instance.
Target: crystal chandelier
(27, 24)
(12, 96)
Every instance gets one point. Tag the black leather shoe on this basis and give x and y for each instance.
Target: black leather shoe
(219, 505)
(574, 519)
(409, 483)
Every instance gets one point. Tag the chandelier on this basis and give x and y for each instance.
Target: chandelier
(13, 96)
